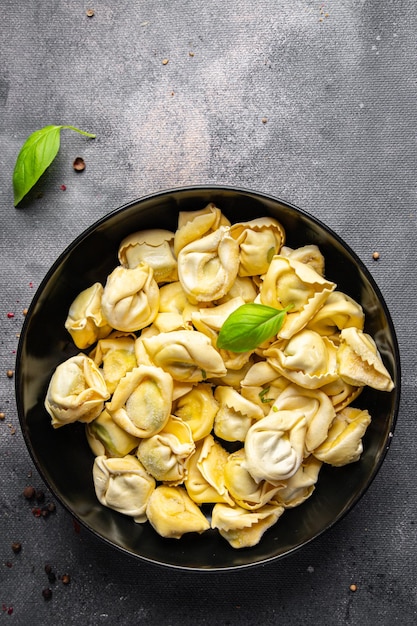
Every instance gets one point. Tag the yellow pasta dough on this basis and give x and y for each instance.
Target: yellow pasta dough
(177, 424)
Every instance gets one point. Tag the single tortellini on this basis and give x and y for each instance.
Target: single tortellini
(341, 394)
(116, 356)
(262, 385)
(317, 408)
(235, 415)
(172, 513)
(142, 357)
(207, 267)
(105, 437)
(344, 440)
(198, 487)
(289, 283)
(261, 373)
(307, 359)
(198, 408)
(309, 254)
(209, 320)
(264, 397)
(175, 310)
(166, 455)
(167, 322)
(185, 354)
(301, 485)
(234, 361)
(274, 446)
(156, 248)
(244, 287)
(211, 462)
(233, 377)
(359, 362)
(142, 401)
(193, 225)
(76, 392)
(245, 491)
(131, 298)
(338, 312)
(86, 321)
(259, 241)
(122, 484)
(180, 387)
(243, 528)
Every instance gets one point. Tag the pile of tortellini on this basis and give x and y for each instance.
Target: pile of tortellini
(175, 423)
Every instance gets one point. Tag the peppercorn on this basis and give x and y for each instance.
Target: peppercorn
(65, 579)
(47, 593)
(2, 416)
(29, 492)
(79, 164)
(51, 507)
(48, 568)
(16, 547)
(9, 373)
(39, 495)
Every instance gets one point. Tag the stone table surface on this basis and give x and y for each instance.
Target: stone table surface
(311, 101)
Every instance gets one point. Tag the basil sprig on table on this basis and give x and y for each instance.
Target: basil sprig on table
(249, 326)
(35, 156)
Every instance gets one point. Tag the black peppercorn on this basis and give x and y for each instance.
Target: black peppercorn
(47, 593)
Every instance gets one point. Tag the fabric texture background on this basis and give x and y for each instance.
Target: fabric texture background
(312, 101)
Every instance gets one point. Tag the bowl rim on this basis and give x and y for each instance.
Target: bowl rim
(153, 196)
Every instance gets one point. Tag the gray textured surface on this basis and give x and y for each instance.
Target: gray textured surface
(340, 140)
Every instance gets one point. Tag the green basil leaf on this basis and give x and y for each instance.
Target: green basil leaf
(249, 326)
(35, 156)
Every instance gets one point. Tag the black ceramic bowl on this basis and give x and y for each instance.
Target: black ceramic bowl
(63, 457)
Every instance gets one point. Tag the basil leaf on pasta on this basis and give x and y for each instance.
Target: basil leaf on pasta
(249, 326)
